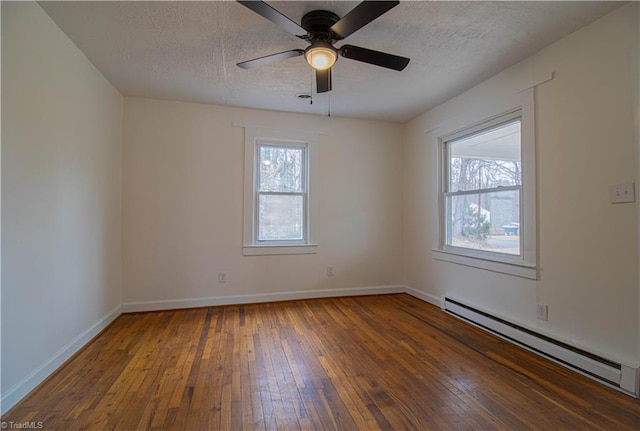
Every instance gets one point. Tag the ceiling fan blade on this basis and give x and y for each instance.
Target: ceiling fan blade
(268, 59)
(263, 9)
(323, 80)
(360, 16)
(376, 58)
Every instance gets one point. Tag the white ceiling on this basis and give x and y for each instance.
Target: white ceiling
(188, 51)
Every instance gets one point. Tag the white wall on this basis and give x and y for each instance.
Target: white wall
(61, 159)
(588, 248)
(182, 205)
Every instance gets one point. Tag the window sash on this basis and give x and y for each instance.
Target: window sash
(282, 145)
(490, 250)
(473, 131)
(303, 229)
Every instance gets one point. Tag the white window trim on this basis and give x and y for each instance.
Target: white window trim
(524, 265)
(250, 246)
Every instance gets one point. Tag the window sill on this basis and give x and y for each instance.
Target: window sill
(263, 250)
(512, 268)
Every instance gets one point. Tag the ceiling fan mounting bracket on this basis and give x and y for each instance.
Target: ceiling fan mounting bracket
(318, 23)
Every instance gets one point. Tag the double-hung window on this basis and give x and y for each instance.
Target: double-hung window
(278, 206)
(281, 193)
(487, 193)
(483, 189)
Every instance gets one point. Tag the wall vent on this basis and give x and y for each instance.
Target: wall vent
(618, 376)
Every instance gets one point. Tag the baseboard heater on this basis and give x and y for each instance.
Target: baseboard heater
(604, 370)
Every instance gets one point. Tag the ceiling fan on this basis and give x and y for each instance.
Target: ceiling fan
(321, 29)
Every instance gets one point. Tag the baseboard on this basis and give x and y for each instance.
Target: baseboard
(133, 307)
(426, 297)
(26, 385)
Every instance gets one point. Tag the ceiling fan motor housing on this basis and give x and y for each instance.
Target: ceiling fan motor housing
(318, 24)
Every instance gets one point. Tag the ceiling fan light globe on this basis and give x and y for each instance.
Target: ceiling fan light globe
(321, 57)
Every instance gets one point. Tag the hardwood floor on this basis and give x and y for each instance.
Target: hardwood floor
(386, 362)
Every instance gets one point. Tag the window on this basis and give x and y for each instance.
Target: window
(281, 193)
(278, 205)
(487, 193)
(483, 189)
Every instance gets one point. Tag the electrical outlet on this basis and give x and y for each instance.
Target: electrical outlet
(222, 277)
(622, 193)
(330, 272)
(542, 312)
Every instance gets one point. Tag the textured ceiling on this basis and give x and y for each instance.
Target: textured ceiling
(188, 51)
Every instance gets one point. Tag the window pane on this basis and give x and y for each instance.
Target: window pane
(281, 169)
(486, 160)
(485, 221)
(280, 217)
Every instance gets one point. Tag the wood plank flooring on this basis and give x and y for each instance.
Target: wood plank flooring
(388, 362)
